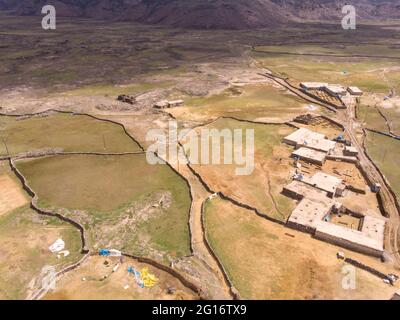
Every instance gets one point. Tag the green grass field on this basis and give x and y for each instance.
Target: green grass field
(366, 73)
(120, 200)
(393, 116)
(385, 152)
(70, 133)
(371, 117)
(24, 240)
(335, 49)
(256, 102)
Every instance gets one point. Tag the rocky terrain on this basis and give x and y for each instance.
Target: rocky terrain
(209, 14)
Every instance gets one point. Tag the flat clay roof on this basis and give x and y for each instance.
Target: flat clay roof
(310, 139)
(324, 181)
(307, 153)
(302, 134)
(351, 235)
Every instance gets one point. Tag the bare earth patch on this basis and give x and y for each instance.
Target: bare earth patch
(87, 283)
(11, 194)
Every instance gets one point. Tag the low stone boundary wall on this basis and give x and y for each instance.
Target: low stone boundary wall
(366, 268)
(342, 159)
(389, 135)
(337, 123)
(388, 185)
(323, 101)
(292, 89)
(232, 290)
(190, 194)
(300, 227)
(169, 270)
(46, 212)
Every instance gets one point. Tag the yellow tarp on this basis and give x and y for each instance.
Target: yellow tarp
(148, 279)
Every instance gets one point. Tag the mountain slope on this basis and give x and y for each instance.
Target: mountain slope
(211, 14)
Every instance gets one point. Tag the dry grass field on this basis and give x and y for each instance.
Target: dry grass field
(25, 238)
(268, 261)
(121, 200)
(272, 170)
(12, 195)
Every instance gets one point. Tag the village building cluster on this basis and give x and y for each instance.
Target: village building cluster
(335, 95)
(336, 90)
(314, 147)
(319, 210)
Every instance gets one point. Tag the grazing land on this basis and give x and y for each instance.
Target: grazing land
(368, 73)
(385, 153)
(65, 132)
(121, 200)
(262, 103)
(25, 238)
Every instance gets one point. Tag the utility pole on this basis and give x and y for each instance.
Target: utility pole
(5, 144)
(384, 157)
(104, 142)
(366, 113)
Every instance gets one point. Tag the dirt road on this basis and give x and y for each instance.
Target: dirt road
(347, 118)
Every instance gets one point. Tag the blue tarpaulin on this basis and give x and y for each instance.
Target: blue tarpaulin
(138, 276)
(104, 252)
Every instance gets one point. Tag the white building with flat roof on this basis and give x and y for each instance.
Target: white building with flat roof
(175, 103)
(350, 151)
(299, 190)
(310, 155)
(309, 139)
(301, 135)
(374, 228)
(313, 85)
(336, 90)
(350, 238)
(308, 213)
(325, 182)
(316, 208)
(355, 91)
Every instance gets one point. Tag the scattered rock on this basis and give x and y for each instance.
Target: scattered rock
(126, 98)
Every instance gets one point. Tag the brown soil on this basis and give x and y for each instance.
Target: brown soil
(72, 286)
(11, 194)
